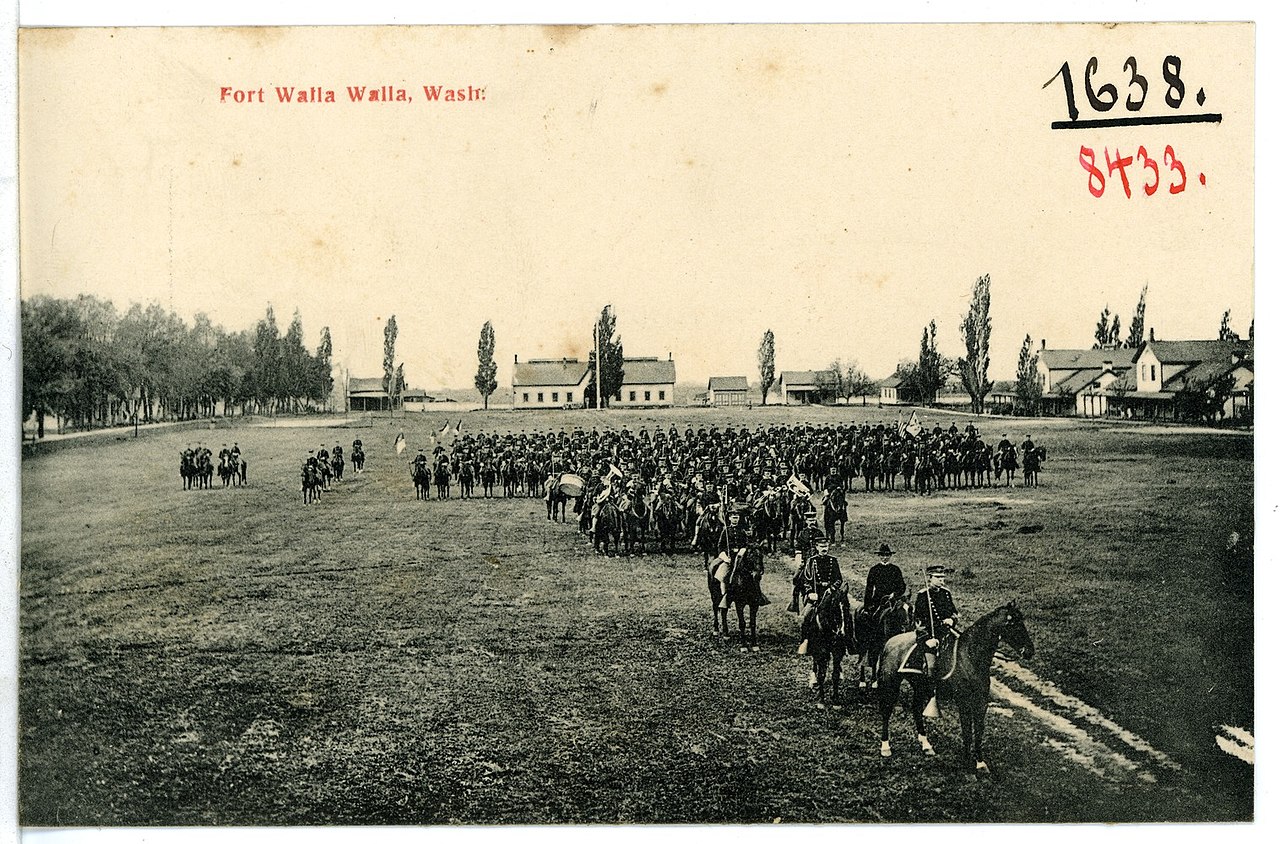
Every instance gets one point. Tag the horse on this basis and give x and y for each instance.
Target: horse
(244, 471)
(225, 470)
(1031, 461)
(708, 535)
(357, 458)
(204, 470)
(635, 522)
(510, 476)
(339, 465)
(743, 593)
(670, 523)
(835, 509)
(608, 525)
(829, 638)
(310, 484)
(488, 476)
(1008, 463)
(872, 628)
(557, 501)
(442, 479)
(187, 469)
(466, 479)
(421, 481)
(964, 679)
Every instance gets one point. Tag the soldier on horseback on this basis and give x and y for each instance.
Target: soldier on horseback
(884, 582)
(817, 576)
(936, 615)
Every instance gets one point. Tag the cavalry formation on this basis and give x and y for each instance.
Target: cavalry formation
(732, 497)
(196, 467)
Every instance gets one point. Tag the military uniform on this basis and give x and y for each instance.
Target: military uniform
(934, 605)
(883, 580)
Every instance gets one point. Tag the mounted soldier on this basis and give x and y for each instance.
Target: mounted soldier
(818, 575)
(884, 582)
(936, 615)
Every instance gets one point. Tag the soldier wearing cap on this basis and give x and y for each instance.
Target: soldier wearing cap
(936, 614)
(884, 582)
(819, 574)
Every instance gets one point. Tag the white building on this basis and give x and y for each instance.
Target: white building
(548, 383)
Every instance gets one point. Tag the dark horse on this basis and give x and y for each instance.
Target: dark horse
(829, 639)
(339, 465)
(875, 627)
(743, 592)
(670, 522)
(635, 523)
(608, 526)
(1031, 462)
(421, 481)
(557, 501)
(835, 509)
(966, 679)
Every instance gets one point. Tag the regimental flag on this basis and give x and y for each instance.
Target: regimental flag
(457, 429)
(400, 443)
(900, 427)
(913, 426)
(443, 430)
(797, 486)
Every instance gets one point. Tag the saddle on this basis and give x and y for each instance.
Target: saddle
(913, 661)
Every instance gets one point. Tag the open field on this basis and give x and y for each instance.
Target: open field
(232, 657)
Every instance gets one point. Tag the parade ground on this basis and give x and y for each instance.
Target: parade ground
(231, 656)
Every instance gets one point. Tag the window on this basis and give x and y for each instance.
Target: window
(568, 396)
(539, 398)
(526, 398)
(631, 395)
(1153, 372)
(646, 395)
(555, 397)
(662, 395)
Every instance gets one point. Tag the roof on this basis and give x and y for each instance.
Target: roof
(562, 372)
(648, 371)
(799, 378)
(891, 381)
(1087, 358)
(415, 393)
(1195, 351)
(365, 385)
(727, 383)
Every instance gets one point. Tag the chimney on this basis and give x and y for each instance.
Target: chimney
(517, 360)
(1042, 344)
(1152, 335)
(669, 358)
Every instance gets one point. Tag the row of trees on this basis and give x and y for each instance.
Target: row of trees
(89, 365)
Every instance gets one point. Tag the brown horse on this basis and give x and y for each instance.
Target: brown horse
(830, 638)
(963, 675)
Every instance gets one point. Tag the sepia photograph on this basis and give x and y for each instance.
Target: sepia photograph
(636, 424)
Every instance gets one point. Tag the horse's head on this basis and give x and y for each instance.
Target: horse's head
(1013, 629)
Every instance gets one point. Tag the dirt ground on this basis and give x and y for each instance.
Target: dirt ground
(230, 656)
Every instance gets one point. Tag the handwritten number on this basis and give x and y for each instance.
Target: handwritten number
(1138, 79)
(1119, 163)
(1172, 69)
(1065, 73)
(1096, 98)
(1087, 159)
(1174, 164)
(1155, 170)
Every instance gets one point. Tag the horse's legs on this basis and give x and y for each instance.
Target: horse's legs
(978, 715)
(920, 695)
(836, 656)
(820, 671)
(888, 698)
(742, 628)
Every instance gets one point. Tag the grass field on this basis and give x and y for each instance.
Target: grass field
(233, 657)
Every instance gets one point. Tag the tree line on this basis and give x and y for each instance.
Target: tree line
(89, 365)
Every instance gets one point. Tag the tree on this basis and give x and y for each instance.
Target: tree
(1225, 331)
(976, 331)
(1137, 326)
(931, 369)
(487, 370)
(389, 360)
(322, 385)
(267, 361)
(858, 383)
(909, 382)
(1106, 334)
(765, 356)
(611, 359)
(1029, 389)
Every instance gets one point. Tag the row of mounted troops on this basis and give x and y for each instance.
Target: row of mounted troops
(323, 468)
(196, 466)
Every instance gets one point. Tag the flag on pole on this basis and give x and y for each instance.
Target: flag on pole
(900, 427)
(400, 443)
(914, 427)
(797, 486)
(457, 429)
(443, 430)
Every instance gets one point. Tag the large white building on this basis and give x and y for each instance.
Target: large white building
(562, 382)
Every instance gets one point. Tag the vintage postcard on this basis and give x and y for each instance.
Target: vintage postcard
(694, 424)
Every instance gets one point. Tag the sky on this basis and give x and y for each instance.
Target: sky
(841, 186)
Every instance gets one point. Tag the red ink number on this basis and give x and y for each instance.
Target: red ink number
(1087, 159)
(1174, 164)
(1155, 170)
(1119, 163)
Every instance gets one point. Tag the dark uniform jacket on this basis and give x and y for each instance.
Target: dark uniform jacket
(935, 599)
(819, 574)
(883, 580)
